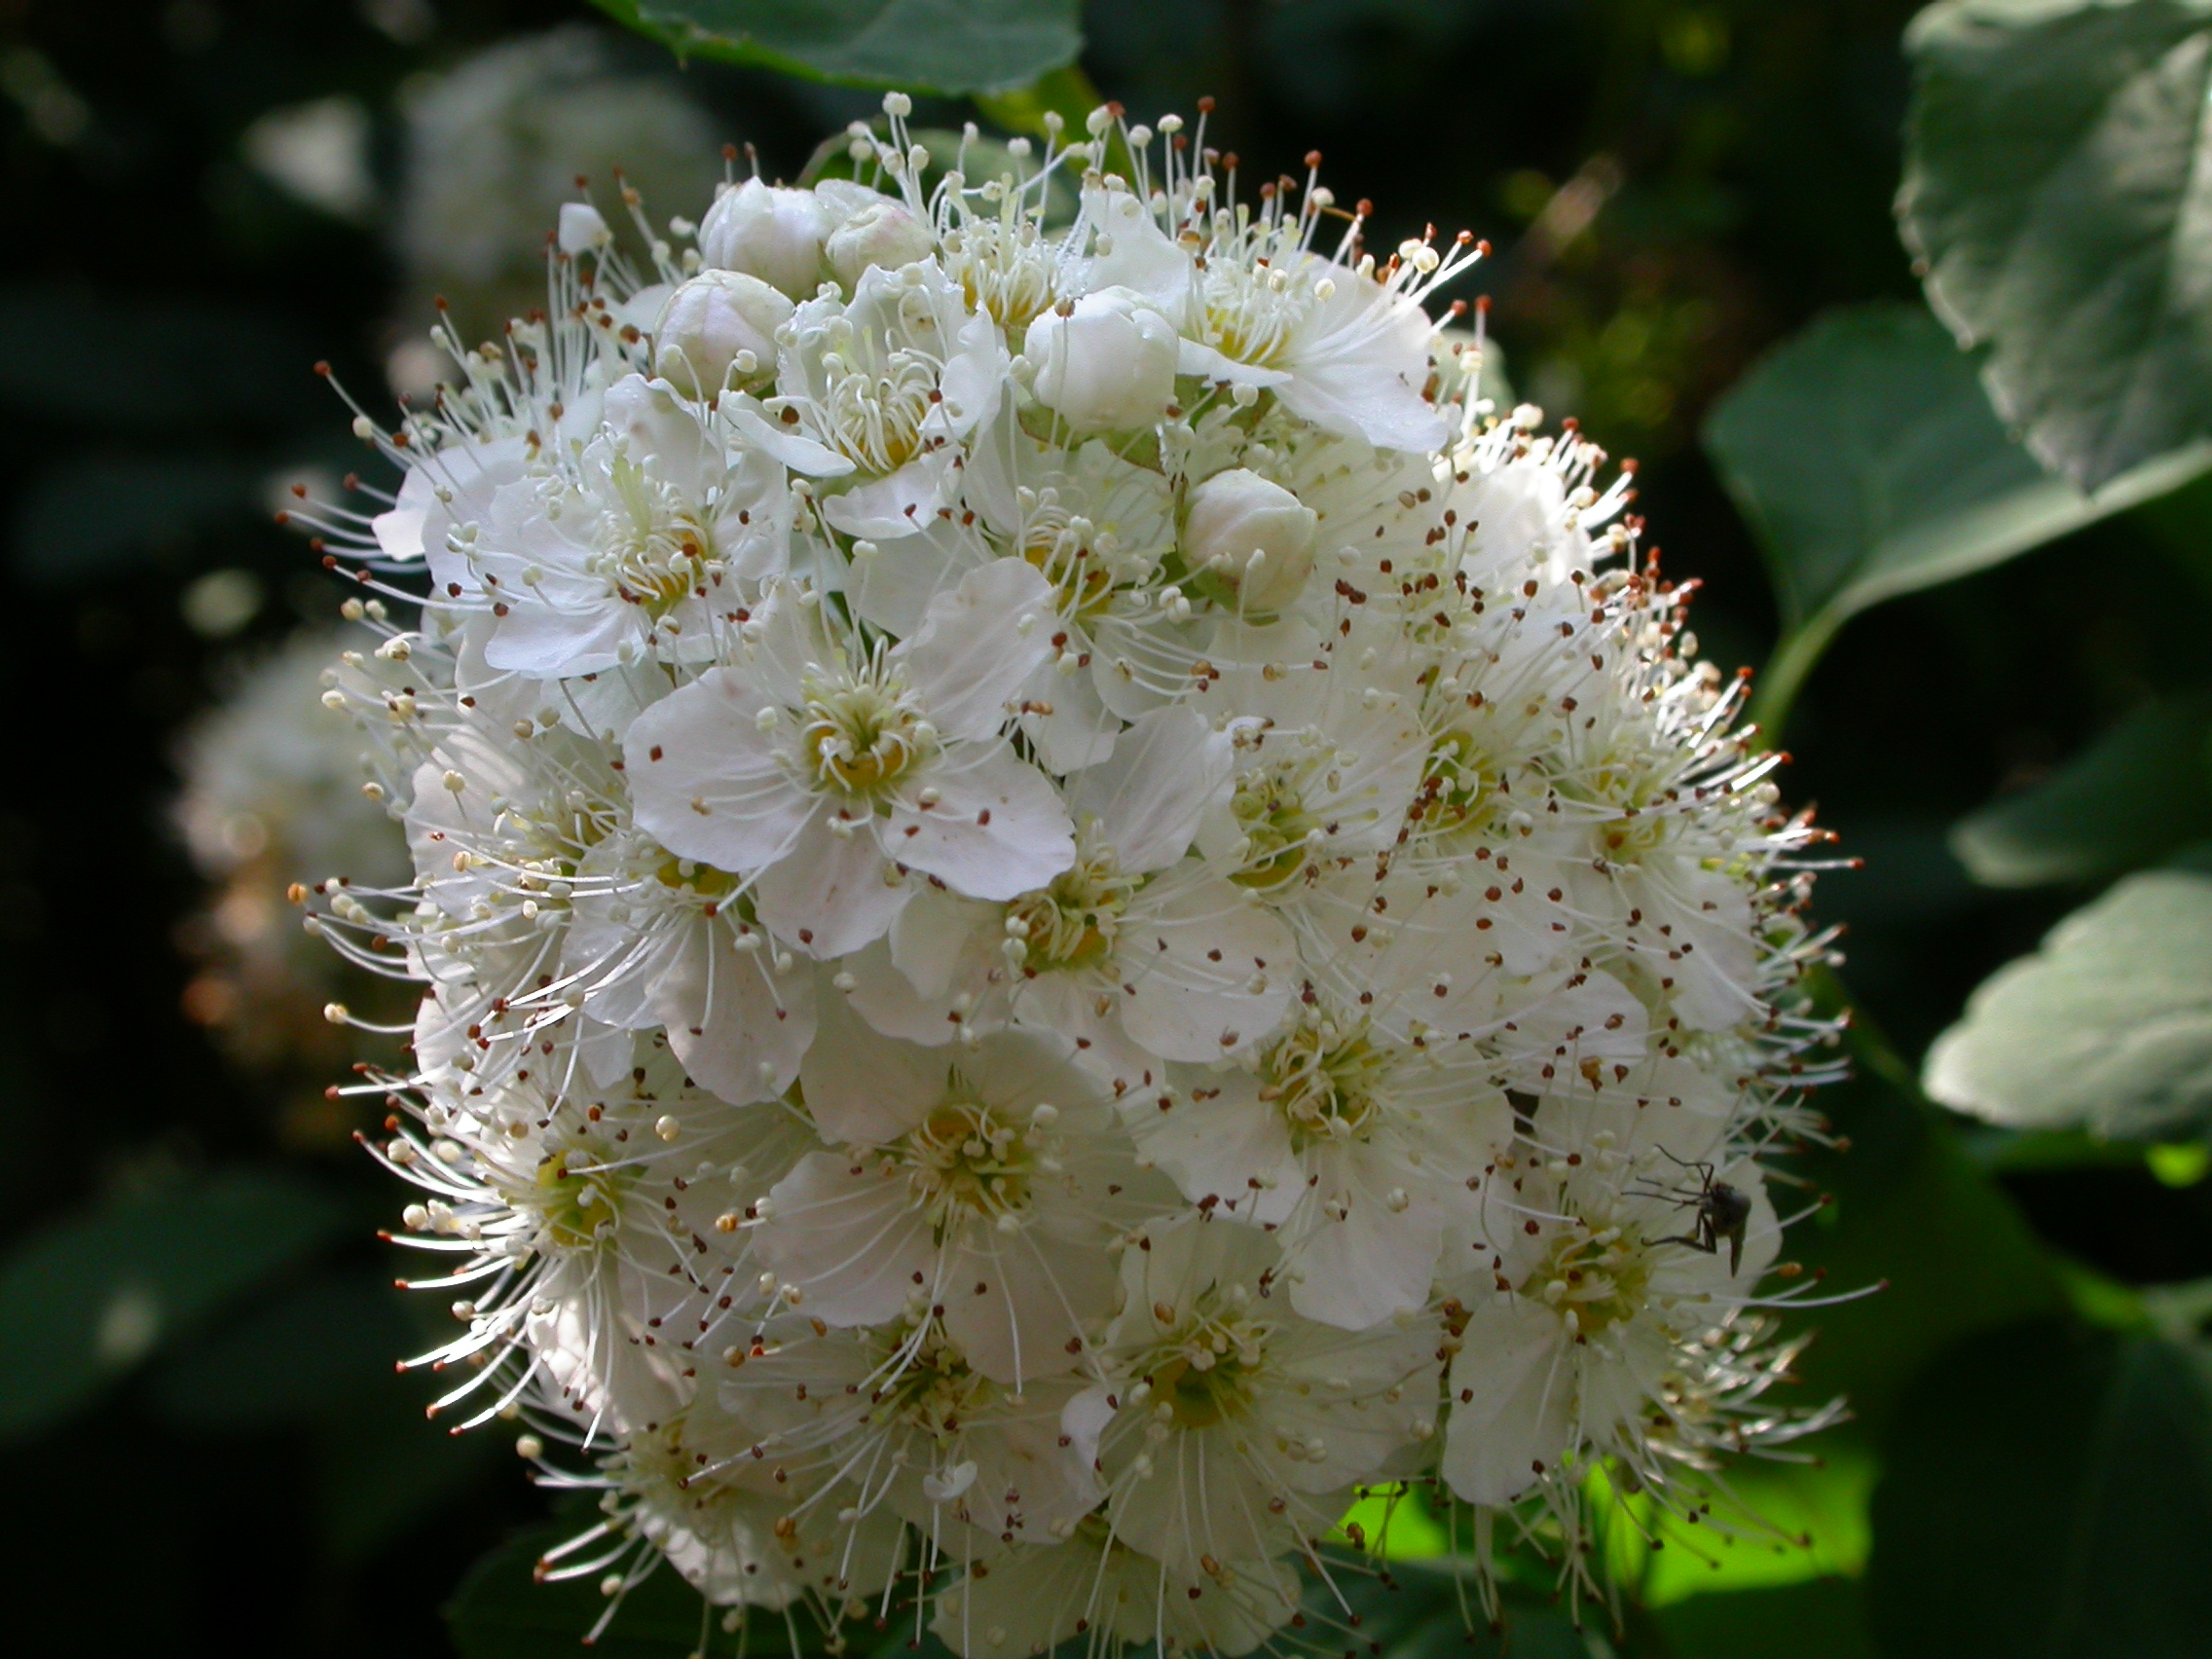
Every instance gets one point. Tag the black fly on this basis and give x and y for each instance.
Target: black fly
(1722, 1212)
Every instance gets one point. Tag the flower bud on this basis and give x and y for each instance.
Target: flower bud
(1107, 364)
(882, 233)
(580, 227)
(1250, 541)
(768, 232)
(710, 321)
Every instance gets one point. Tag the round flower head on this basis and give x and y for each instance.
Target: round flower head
(1072, 905)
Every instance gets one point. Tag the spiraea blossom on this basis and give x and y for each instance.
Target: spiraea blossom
(1071, 908)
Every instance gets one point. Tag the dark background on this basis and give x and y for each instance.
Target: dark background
(161, 303)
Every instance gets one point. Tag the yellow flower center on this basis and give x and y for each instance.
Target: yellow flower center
(1596, 1276)
(964, 1164)
(1074, 922)
(861, 735)
(1324, 1077)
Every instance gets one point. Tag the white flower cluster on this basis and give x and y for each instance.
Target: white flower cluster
(1069, 908)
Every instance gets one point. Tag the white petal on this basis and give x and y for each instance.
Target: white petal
(972, 655)
(934, 933)
(896, 506)
(1371, 1264)
(801, 454)
(1165, 772)
(708, 782)
(1517, 1371)
(1079, 730)
(830, 894)
(1214, 1139)
(852, 1244)
(738, 1027)
(1190, 968)
(997, 831)
(1013, 1302)
(865, 1089)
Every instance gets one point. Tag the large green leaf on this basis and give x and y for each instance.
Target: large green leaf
(922, 46)
(320, 1357)
(84, 1300)
(1867, 461)
(2143, 791)
(2108, 1025)
(2049, 1496)
(1822, 1619)
(1909, 1211)
(2056, 195)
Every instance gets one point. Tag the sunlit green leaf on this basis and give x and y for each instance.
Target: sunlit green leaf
(921, 46)
(1867, 461)
(2143, 790)
(2108, 1025)
(2056, 194)
(2048, 1495)
(84, 1300)
(1770, 1524)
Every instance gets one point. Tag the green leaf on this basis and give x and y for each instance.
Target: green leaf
(2141, 791)
(84, 1300)
(381, 1465)
(1770, 1524)
(1868, 463)
(320, 1357)
(2049, 1495)
(2108, 1025)
(1912, 1213)
(2056, 199)
(1423, 1610)
(296, 1358)
(1822, 1619)
(952, 47)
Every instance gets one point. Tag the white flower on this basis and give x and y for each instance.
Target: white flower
(629, 554)
(901, 1414)
(980, 1189)
(1029, 1600)
(659, 941)
(1104, 363)
(818, 775)
(1134, 951)
(882, 233)
(890, 380)
(1237, 1429)
(1341, 349)
(1356, 1150)
(1594, 1292)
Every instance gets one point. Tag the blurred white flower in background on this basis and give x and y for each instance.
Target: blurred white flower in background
(272, 794)
(494, 147)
